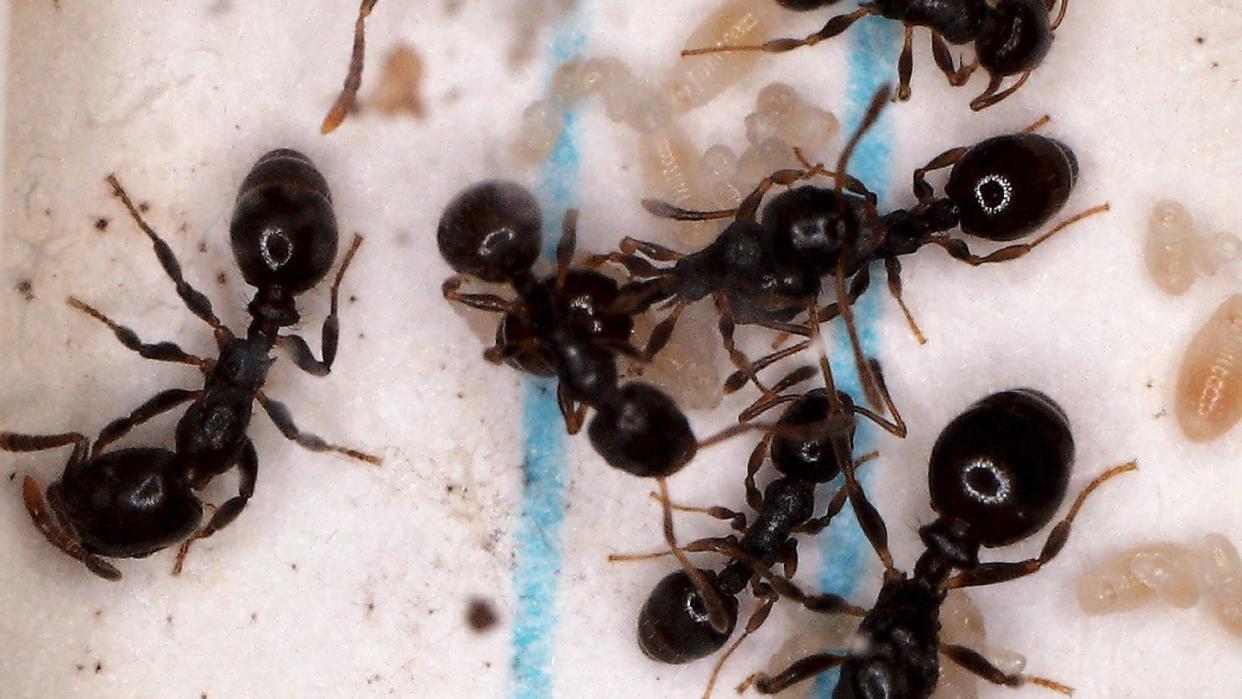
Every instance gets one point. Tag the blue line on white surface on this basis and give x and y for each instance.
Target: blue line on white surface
(538, 538)
(873, 49)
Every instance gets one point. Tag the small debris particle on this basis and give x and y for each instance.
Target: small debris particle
(26, 288)
(353, 299)
(202, 247)
(293, 567)
(481, 615)
(101, 224)
(1200, 40)
(98, 668)
(254, 616)
(222, 278)
(144, 207)
(399, 83)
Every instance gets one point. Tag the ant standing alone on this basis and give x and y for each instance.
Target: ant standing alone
(133, 502)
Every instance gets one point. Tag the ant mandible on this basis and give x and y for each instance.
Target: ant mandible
(133, 502)
(998, 473)
(1000, 189)
(1011, 37)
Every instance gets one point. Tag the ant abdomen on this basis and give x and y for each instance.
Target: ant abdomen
(1015, 38)
(491, 230)
(284, 230)
(129, 503)
(1001, 468)
(674, 626)
(641, 431)
(1007, 186)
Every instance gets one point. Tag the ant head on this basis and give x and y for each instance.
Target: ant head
(1007, 186)
(1001, 468)
(491, 231)
(640, 430)
(810, 227)
(811, 459)
(283, 231)
(1016, 36)
(674, 626)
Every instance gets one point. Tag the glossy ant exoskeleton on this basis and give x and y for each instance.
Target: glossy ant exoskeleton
(564, 324)
(815, 447)
(1000, 189)
(1011, 37)
(998, 473)
(133, 502)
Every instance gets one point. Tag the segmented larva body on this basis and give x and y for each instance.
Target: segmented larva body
(694, 80)
(1209, 383)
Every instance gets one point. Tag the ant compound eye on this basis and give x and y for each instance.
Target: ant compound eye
(491, 230)
(1016, 37)
(673, 625)
(1008, 186)
(1002, 467)
(641, 431)
(283, 231)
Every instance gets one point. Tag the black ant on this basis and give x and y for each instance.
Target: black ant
(1000, 189)
(1011, 37)
(998, 473)
(563, 325)
(674, 625)
(133, 502)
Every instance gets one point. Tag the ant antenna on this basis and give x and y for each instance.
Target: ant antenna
(348, 98)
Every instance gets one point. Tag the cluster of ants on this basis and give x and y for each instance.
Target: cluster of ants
(998, 472)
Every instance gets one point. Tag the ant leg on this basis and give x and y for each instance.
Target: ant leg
(482, 302)
(716, 613)
(160, 351)
(990, 96)
(737, 520)
(566, 246)
(958, 249)
(864, 376)
(850, 183)
(248, 470)
(814, 526)
(835, 26)
(905, 66)
(573, 412)
(1060, 14)
(161, 402)
(662, 332)
(663, 209)
(195, 300)
(788, 557)
(12, 441)
(280, 415)
(992, 573)
(755, 621)
(725, 327)
(345, 102)
(298, 349)
(944, 60)
(799, 671)
(738, 379)
(56, 535)
(897, 427)
(656, 252)
(869, 519)
(892, 266)
(824, 603)
(635, 265)
(763, 405)
(922, 189)
(858, 286)
(975, 663)
(754, 496)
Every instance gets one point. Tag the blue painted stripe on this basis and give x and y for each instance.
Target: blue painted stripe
(873, 48)
(538, 538)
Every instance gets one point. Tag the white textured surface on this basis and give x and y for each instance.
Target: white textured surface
(344, 580)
